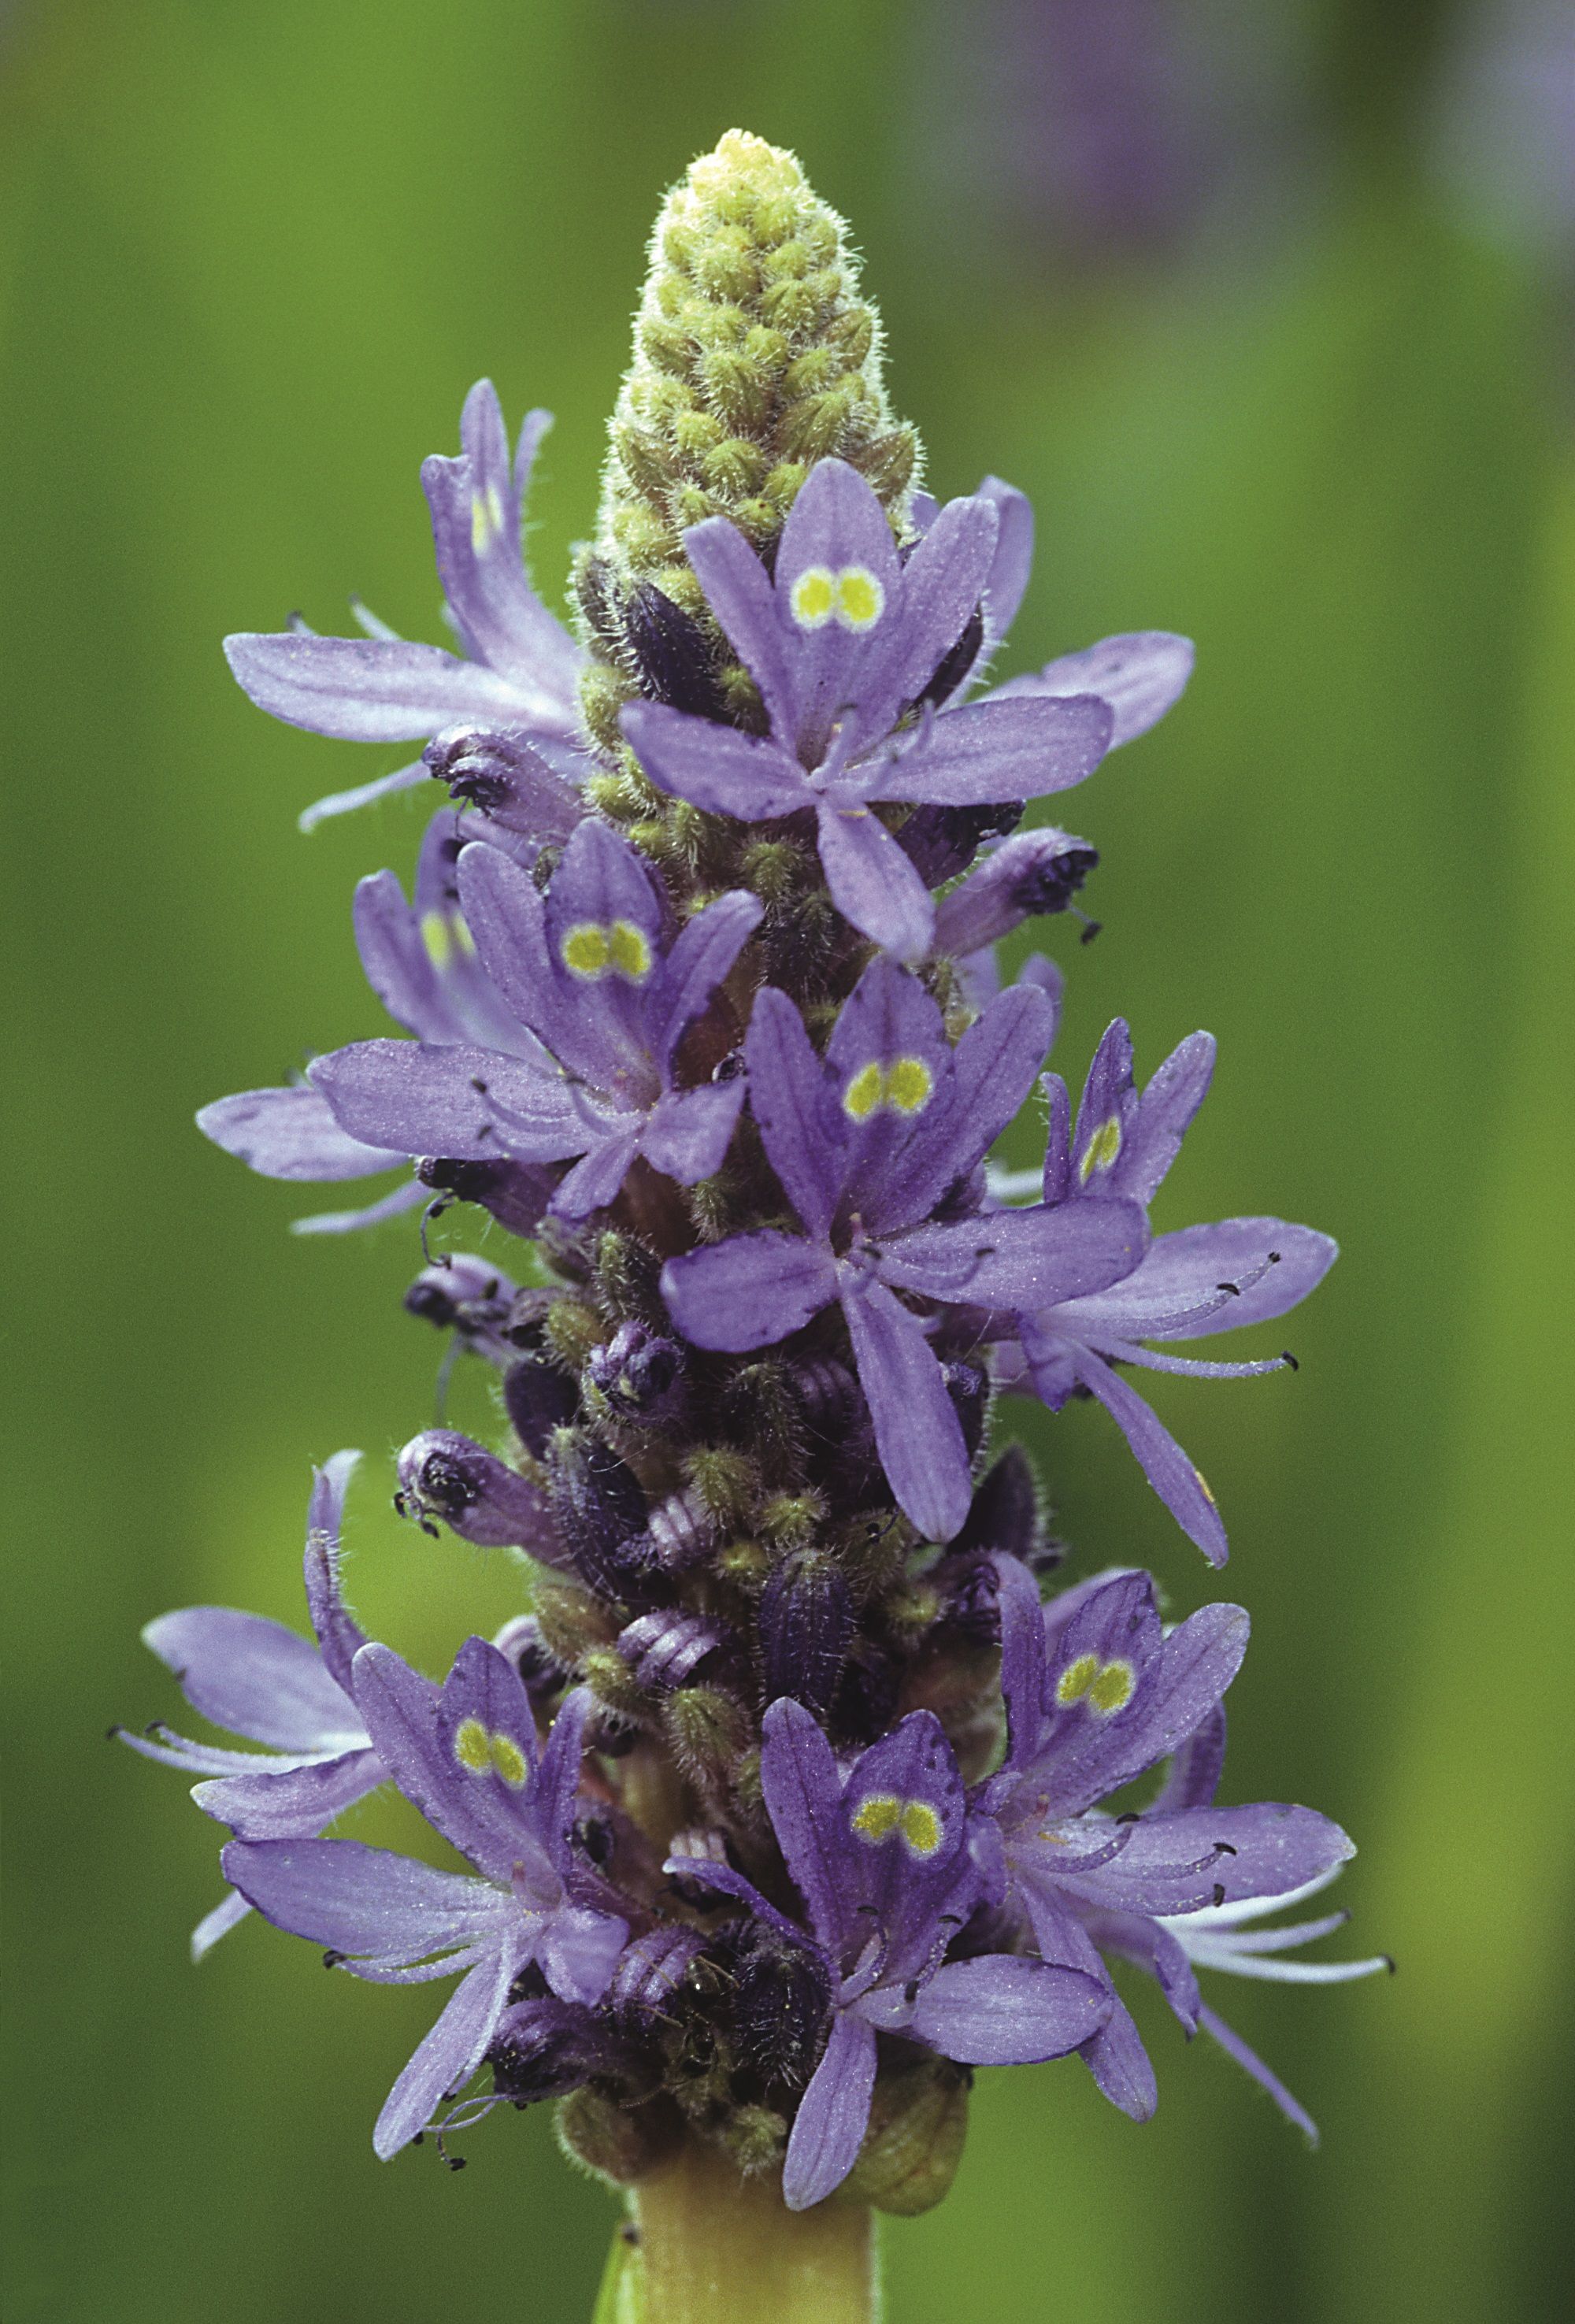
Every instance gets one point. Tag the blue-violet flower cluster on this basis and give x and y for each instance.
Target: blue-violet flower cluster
(798, 1787)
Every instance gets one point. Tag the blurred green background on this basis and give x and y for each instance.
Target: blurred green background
(1279, 369)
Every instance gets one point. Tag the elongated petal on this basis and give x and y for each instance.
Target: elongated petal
(1002, 2011)
(872, 883)
(292, 1803)
(1180, 1485)
(714, 767)
(557, 1785)
(832, 2116)
(701, 955)
(1013, 558)
(1120, 2065)
(340, 1636)
(476, 513)
(1163, 1114)
(688, 1131)
(254, 1677)
(461, 1102)
(803, 1789)
(1019, 1259)
(1022, 1657)
(1235, 2047)
(1196, 1767)
(943, 585)
(290, 1133)
(994, 751)
(366, 690)
(1265, 1850)
(507, 918)
(1141, 674)
(739, 592)
(918, 1433)
(800, 1127)
(363, 1902)
(749, 1291)
(1178, 1291)
(450, 2053)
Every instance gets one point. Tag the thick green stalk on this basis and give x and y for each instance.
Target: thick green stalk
(704, 2246)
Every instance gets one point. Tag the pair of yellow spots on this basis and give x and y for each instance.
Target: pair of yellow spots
(483, 1752)
(903, 1086)
(848, 594)
(882, 1816)
(1106, 1687)
(593, 949)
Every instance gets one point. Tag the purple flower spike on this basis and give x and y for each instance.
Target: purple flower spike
(792, 1585)
(585, 1069)
(865, 1145)
(468, 1757)
(520, 668)
(1097, 1693)
(880, 1856)
(268, 1684)
(1184, 1286)
(843, 641)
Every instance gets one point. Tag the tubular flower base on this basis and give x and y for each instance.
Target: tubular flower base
(796, 1791)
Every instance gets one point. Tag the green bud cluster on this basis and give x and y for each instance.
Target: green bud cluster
(755, 354)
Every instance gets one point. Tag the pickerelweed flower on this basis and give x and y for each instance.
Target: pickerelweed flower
(789, 1796)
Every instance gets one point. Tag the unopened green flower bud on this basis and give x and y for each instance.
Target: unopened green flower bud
(918, 2119)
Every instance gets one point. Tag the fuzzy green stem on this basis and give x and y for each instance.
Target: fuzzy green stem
(705, 2246)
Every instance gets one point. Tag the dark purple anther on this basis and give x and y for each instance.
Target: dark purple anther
(515, 1193)
(1035, 871)
(537, 1400)
(639, 1373)
(674, 659)
(940, 842)
(664, 1648)
(496, 772)
(1005, 1513)
(807, 1622)
(443, 1474)
(601, 1513)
